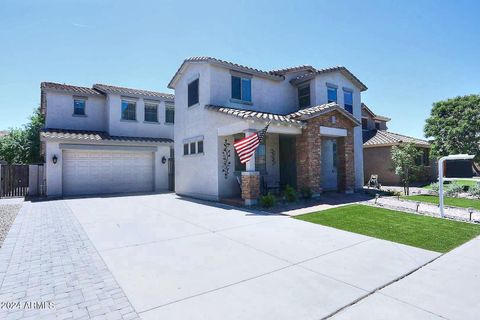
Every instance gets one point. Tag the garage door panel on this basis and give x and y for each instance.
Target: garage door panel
(96, 172)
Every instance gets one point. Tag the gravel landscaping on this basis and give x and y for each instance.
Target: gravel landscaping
(8, 212)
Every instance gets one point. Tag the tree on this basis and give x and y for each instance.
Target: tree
(405, 165)
(455, 126)
(22, 145)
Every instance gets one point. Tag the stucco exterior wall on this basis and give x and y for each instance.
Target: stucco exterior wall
(138, 127)
(196, 175)
(267, 95)
(59, 112)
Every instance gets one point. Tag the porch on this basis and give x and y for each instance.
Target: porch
(316, 154)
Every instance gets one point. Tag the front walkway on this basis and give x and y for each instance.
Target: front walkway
(50, 269)
(447, 288)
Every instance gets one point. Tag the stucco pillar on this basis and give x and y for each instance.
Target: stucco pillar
(250, 165)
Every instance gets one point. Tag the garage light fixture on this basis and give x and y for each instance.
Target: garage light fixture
(164, 159)
(54, 159)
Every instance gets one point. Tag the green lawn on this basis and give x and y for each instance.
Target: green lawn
(429, 233)
(454, 202)
(469, 183)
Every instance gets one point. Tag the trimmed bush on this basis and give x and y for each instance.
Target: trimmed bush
(474, 191)
(453, 189)
(435, 187)
(306, 193)
(290, 194)
(268, 200)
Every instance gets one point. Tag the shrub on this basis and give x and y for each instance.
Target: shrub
(290, 194)
(435, 187)
(474, 190)
(306, 193)
(453, 189)
(268, 200)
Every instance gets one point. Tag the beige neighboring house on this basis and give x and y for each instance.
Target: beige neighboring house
(377, 147)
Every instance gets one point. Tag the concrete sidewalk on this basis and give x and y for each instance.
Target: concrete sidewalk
(447, 288)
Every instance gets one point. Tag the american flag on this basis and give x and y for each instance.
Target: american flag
(246, 147)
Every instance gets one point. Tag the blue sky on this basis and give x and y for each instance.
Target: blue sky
(409, 53)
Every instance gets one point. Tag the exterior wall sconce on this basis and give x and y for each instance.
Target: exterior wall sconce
(54, 159)
(164, 159)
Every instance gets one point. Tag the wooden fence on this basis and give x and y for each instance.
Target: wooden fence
(14, 180)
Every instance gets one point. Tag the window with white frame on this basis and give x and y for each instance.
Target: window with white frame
(193, 146)
(79, 107)
(348, 101)
(129, 110)
(242, 88)
(169, 112)
(151, 112)
(304, 96)
(193, 95)
(331, 94)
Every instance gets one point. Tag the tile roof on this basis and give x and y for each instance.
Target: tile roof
(88, 136)
(228, 64)
(293, 69)
(342, 69)
(296, 118)
(375, 138)
(134, 92)
(255, 115)
(69, 88)
(375, 116)
(322, 109)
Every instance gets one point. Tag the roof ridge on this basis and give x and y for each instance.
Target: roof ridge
(129, 88)
(402, 135)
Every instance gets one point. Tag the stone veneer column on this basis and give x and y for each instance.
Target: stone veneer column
(250, 187)
(309, 157)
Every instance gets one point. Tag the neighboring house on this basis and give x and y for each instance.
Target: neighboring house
(105, 139)
(377, 147)
(314, 140)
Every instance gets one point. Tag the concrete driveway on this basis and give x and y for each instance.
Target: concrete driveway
(183, 259)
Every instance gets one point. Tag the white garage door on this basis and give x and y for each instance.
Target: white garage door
(96, 172)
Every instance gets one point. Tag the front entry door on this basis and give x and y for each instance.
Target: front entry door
(288, 163)
(329, 164)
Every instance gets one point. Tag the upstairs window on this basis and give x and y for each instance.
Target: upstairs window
(348, 101)
(151, 112)
(79, 107)
(169, 113)
(331, 94)
(364, 124)
(242, 89)
(193, 93)
(304, 96)
(377, 125)
(129, 110)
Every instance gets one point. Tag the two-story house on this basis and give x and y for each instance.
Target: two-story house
(377, 150)
(314, 139)
(105, 139)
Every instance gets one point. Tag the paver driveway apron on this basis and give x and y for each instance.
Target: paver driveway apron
(182, 259)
